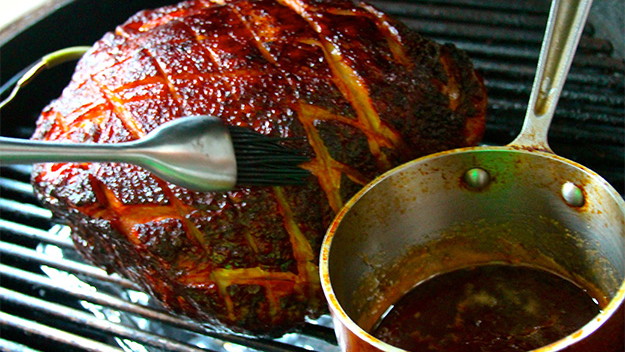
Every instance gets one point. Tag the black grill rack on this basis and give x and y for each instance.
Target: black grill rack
(51, 300)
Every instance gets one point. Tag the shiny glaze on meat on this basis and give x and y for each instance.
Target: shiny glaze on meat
(363, 92)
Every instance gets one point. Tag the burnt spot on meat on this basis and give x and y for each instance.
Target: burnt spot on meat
(348, 145)
(165, 239)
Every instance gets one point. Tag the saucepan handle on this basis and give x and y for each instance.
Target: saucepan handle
(564, 30)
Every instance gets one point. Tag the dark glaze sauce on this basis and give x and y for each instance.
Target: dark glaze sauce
(487, 308)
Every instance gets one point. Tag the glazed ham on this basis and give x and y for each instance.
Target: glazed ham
(361, 91)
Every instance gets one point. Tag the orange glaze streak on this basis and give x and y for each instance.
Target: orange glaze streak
(451, 89)
(96, 113)
(138, 83)
(353, 174)
(91, 111)
(251, 241)
(149, 25)
(302, 250)
(166, 79)
(60, 122)
(257, 41)
(354, 90)
(121, 112)
(319, 113)
(199, 38)
(327, 170)
(155, 79)
(391, 33)
(125, 217)
(166, 18)
(351, 86)
(304, 257)
(252, 276)
(214, 56)
(322, 165)
(474, 125)
(300, 8)
(193, 233)
(211, 2)
(55, 171)
(230, 74)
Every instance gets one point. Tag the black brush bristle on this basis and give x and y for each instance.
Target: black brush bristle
(266, 161)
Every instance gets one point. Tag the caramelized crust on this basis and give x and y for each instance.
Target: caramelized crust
(363, 92)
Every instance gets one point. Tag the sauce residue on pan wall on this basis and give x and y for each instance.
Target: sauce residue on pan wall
(492, 307)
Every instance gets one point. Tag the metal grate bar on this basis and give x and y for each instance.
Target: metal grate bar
(16, 186)
(477, 32)
(576, 95)
(508, 53)
(487, 34)
(150, 313)
(526, 72)
(493, 25)
(24, 209)
(33, 233)
(526, 6)
(85, 319)
(63, 264)
(20, 169)
(53, 334)
(601, 114)
(460, 13)
(143, 311)
(267, 345)
(10, 346)
(521, 106)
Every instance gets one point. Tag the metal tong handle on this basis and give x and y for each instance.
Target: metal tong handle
(564, 30)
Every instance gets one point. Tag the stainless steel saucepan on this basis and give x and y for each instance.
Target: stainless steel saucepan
(518, 203)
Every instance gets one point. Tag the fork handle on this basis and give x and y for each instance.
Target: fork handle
(24, 151)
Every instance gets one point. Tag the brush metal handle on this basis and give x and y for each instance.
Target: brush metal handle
(23, 151)
(194, 152)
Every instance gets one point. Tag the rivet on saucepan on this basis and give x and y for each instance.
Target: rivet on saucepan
(477, 178)
(572, 194)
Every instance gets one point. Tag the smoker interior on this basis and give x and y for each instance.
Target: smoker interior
(47, 298)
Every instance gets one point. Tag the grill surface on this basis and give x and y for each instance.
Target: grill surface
(52, 301)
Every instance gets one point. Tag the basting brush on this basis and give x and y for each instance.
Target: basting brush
(196, 152)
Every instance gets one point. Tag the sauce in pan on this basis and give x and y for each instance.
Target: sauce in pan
(486, 308)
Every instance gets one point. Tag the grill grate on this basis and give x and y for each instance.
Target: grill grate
(53, 301)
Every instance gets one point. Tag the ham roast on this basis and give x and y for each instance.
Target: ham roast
(361, 91)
